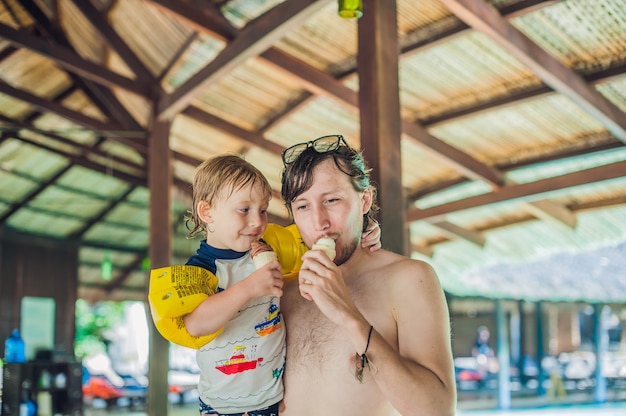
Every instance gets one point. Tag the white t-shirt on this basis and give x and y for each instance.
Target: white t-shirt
(242, 368)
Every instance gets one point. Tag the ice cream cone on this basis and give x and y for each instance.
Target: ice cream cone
(327, 245)
(261, 259)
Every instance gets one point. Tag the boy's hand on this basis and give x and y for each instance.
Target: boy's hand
(267, 281)
(371, 236)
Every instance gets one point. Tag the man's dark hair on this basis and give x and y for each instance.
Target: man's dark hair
(297, 177)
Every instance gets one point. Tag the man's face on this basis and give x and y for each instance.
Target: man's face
(331, 208)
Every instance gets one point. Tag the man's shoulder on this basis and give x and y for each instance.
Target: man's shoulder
(386, 258)
(402, 268)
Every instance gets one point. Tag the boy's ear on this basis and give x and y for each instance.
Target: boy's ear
(204, 212)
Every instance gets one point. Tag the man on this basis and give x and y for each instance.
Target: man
(369, 333)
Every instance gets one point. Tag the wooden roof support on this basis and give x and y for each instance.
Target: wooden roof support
(160, 174)
(525, 191)
(552, 212)
(102, 97)
(256, 139)
(253, 39)
(381, 129)
(114, 41)
(485, 18)
(459, 232)
(71, 61)
(60, 110)
(323, 84)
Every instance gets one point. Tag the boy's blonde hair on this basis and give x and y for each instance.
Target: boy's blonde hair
(230, 172)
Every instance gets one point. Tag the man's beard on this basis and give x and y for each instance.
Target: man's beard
(346, 252)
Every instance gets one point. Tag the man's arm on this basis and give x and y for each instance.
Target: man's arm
(418, 377)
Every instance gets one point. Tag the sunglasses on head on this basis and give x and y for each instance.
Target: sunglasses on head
(322, 144)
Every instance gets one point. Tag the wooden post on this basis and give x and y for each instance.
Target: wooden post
(160, 252)
(379, 104)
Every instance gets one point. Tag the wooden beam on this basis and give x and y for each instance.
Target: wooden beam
(433, 37)
(220, 124)
(460, 232)
(160, 252)
(86, 163)
(316, 81)
(381, 130)
(68, 59)
(321, 83)
(100, 95)
(32, 194)
(514, 98)
(203, 19)
(124, 274)
(103, 213)
(133, 143)
(60, 110)
(181, 51)
(424, 250)
(114, 41)
(255, 37)
(461, 161)
(552, 212)
(485, 18)
(523, 191)
(82, 149)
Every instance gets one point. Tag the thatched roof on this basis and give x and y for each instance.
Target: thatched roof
(512, 118)
(591, 276)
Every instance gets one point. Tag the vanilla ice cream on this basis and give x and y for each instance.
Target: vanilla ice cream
(327, 245)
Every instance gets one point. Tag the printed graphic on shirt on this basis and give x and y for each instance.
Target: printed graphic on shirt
(277, 372)
(271, 324)
(238, 362)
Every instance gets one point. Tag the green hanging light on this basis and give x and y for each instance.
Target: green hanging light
(145, 264)
(350, 8)
(106, 268)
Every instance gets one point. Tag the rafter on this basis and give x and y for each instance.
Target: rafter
(68, 59)
(485, 18)
(218, 123)
(321, 83)
(535, 92)
(86, 163)
(60, 110)
(102, 97)
(79, 147)
(527, 191)
(460, 232)
(33, 194)
(256, 37)
(124, 274)
(78, 234)
(549, 211)
(110, 36)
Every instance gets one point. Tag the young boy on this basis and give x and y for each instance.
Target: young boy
(241, 368)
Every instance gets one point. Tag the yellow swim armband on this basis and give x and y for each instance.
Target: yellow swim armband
(174, 292)
(288, 245)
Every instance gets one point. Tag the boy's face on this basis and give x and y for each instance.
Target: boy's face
(331, 208)
(236, 220)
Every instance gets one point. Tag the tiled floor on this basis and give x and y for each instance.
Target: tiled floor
(612, 409)
(609, 409)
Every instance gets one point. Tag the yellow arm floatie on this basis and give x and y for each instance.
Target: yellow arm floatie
(288, 245)
(174, 292)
